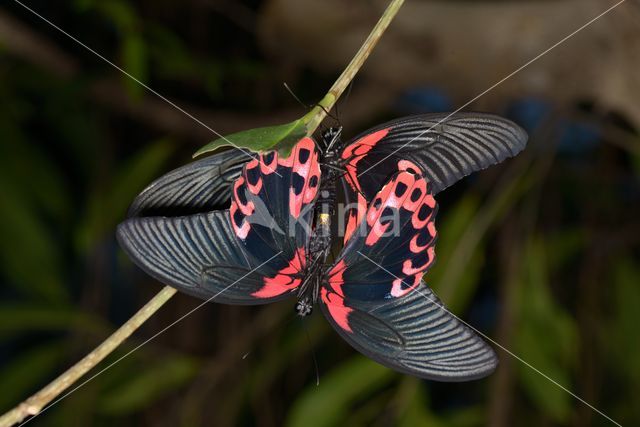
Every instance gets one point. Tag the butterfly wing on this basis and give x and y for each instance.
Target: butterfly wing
(200, 186)
(252, 253)
(444, 147)
(375, 297)
(414, 334)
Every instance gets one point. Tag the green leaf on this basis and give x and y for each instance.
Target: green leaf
(280, 137)
(623, 325)
(618, 338)
(153, 382)
(547, 337)
(328, 403)
(563, 246)
(119, 12)
(29, 244)
(134, 58)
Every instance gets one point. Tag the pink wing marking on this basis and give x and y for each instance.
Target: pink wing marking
(423, 215)
(427, 235)
(357, 151)
(285, 280)
(356, 215)
(406, 190)
(268, 162)
(353, 154)
(397, 288)
(252, 171)
(240, 209)
(409, 269)
(246, 207)
(412, 273)
(409, 166)
(338, 311)
(242, 227)
(334, 298)
(335, 277)
(252, 179)
(304, 162)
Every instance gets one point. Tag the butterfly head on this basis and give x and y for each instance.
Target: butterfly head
(304, 307)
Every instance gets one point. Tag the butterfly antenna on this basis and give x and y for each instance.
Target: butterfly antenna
(286, 86)
(313, 353)
(327, 112)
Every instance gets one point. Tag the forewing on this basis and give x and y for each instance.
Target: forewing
(272, 210)
(273, 199)
(445, 147)
(252, 253)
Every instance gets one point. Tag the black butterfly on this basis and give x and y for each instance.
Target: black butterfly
(275, 239)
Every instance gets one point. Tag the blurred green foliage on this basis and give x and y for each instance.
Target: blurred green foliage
(541, 254)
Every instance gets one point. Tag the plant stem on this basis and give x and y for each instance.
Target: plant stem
(35, 404)
(317, 115)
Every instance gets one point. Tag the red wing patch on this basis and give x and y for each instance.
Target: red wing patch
(338, 311)
(333, 296)
(409, 166)
(398, 233)
(357, 151)
(352, 155)
(270, 212)
(286, 280)
(335, 278)
(306, 176)
(355, 216)
(263, 175)
(240, 209)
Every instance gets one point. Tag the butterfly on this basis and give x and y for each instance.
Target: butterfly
(256, 229)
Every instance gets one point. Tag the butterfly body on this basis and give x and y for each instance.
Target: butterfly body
(331, 167)
(276, 238)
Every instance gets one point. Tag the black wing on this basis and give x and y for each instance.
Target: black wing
(444, 148)
(199, 255)
(200, 186)
(248, 254)
(415, 335)
(375, 297)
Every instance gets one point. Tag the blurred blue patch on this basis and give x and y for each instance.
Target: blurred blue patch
(576, 137)
(530, 113)
(425, 100)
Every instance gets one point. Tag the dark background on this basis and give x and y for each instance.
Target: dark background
(540, 253)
